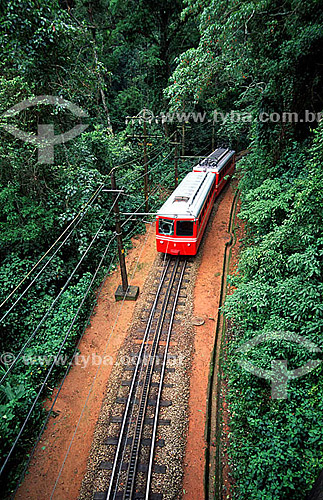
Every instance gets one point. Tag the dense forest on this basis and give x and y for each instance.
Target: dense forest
(242, 65)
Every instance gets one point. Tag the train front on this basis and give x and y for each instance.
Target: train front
(176, 225)
(176, 236)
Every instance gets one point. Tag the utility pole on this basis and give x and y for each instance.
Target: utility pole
(183, 139)
(143, 118)
(145, 163)
(124, 291)
(183, 131)
(176, 160)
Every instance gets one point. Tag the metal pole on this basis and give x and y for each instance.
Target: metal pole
(122, 259)
(176, 161)
(183, 139)
(146, 164)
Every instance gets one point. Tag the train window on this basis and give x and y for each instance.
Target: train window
(181, 198)
(166, 227)
(184, 228)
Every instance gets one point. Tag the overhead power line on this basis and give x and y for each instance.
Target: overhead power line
(34, 333)
(72, 358)
(70, 327)
(56, 356)
(49, 260)
(70, 363)
(55, 359)
(53, 245)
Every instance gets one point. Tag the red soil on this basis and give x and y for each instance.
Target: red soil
(51, 451)
(206, 302)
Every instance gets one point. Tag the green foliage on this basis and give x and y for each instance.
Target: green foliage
(252, 57)
(112, 58)
(111, 66)
(276, 446)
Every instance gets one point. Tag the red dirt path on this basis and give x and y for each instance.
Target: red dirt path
(206, 301)
(47, 462)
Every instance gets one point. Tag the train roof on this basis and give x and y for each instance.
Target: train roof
(215, 161)
(187, 199)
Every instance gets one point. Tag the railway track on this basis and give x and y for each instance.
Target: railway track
(133, 466)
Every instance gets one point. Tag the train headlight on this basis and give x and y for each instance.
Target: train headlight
(161, 241)
(188, 244)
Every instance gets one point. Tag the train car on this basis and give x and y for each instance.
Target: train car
(181, 221)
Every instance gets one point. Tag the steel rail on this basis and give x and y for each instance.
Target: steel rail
(161, 381)
(110, 494)
(139, 426)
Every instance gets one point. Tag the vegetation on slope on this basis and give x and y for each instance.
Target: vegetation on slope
(233, 60)
(102, 56)
(266, 57)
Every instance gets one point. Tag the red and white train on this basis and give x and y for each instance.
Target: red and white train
(181, 221)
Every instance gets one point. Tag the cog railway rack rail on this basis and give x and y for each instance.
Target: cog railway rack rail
(133, 466)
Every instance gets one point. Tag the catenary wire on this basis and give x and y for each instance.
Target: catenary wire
(55, 360)
(53, 245)
(57, 297)
(69, 331)
(61, 347)
(67, 282)
(47, 263)
(69, 279)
